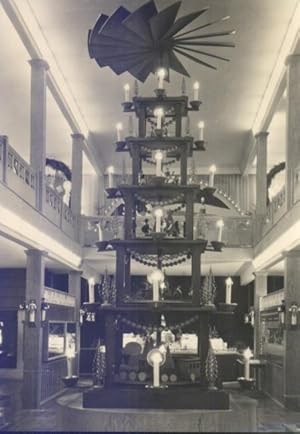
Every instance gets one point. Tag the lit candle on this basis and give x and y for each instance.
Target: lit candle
(119, 128)
(110, 171)
(100, 232)
(126, 92)
(220, 225)
(156, 372)
(91, 290)
(161, 73)
(196, 90)
(158, 157)
(156, 278)
(158, 215)
(69, 366)
(159, 115)
(247, 355)
(229, 283)
(212, 171)
(201, 130)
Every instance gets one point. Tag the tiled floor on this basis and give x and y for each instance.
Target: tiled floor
(270, 416)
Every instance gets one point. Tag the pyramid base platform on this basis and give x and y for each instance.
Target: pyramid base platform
(156, 398)
(240, 417)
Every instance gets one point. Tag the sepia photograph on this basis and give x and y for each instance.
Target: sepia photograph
(150, 216)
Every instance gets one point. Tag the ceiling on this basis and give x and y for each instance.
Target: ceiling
(231, 95)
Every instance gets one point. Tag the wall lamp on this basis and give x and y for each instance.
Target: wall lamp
(293, 310)
(281, 313)
(31, 309)
(249, 318)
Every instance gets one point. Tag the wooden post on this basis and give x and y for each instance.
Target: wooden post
(110, 345)
(178, 120)
(120, 264)
(189, 216)
(196, 274)
(128, 223)
(183, 165)
(136, 166)
(142, 122)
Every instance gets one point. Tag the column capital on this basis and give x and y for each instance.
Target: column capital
(261, 135)
(32, 252)
(292, 59)
(78, 136)
(262, 273)
(39, 64)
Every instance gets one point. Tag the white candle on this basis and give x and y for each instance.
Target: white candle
(155, 290)
(220, 225)
(110, 171)
(212, 171)
(161, 75)
(158, 215)
(43, 315)
(159, 114)
(31, 316)
(229, 283)
(156, 372)
(201, 130)
(126, 92)
(119, 128)
(69, 366)
(247, 369)
(196, 91)
(158, 157)
(91, 290)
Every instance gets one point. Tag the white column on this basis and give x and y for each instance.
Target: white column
(77, 157)
(260, 290)
(261, 181)
(75, 290)
(38, 126)
(293, 128)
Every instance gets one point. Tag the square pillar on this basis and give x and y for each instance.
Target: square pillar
(260, 290)
(75, 290)
(32, 379)
(292, 333)
(38, 126)
(261, 181)
(293, 128)
(77, 158)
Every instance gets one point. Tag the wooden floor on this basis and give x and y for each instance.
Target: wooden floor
(270, 416)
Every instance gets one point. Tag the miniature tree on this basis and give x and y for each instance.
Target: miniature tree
(211, 369)
(99, 365)
(105, 289)
(208, 290)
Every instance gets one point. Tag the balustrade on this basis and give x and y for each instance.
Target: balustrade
(276, 209)
(18, 175)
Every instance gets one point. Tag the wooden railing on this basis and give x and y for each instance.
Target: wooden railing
(237, 231)
(18, 176)
(276, 209)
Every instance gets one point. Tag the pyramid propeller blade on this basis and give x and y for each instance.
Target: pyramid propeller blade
(176, 65)
(182, 22)
(207, 35)
(138, 21)
(195, 59)
(203, 52)
(208, 44)
(164, 20)
(203, 26)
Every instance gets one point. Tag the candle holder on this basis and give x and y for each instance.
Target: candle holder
(127, 106)
(209, 190)
(158, 235)
(227, 307)
(246, 384)
(160, 93)
(195, 105)
(217, 245)
(120, 145)
(70, 381)
(158, 132)
(199, 145)
(112, 192)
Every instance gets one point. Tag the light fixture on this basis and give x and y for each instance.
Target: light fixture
(91, 283)
(119, 128)
(293, 310)
(156, 358)
(82, 313)
(158, 113)
(126, 92)
(44, 307)
(229, 283)
(158, 213)
(281, 313)
(155, 278)
(201, 130)
(247, 356)
(212, 171)
(110, 170)
(32, 308)
(196, 87)
(161, 73)
(1, 332)
(158, 156)
(220, 225)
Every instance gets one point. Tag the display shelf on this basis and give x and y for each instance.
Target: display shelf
(157, 307)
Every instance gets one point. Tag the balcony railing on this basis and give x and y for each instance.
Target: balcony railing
(276, 209)
(18, 176)
(237, 231)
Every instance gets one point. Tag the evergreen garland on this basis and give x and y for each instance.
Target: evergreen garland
(59, 165)
(208, 289)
